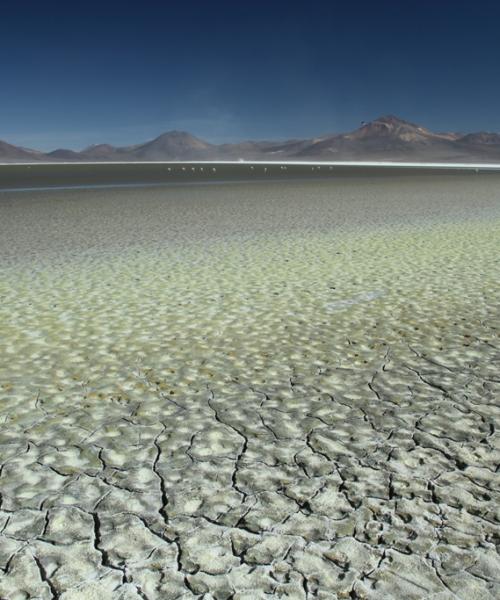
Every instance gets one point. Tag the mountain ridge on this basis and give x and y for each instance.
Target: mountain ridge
(385, 138)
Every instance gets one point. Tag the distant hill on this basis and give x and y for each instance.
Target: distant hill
(62, 154)
(178, 144)
(385, 138)
(10, 153)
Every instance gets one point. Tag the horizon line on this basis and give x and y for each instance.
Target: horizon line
(313, 163)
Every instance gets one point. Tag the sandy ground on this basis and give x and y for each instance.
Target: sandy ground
(251, 391)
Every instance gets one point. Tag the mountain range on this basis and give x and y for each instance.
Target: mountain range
(385, 138)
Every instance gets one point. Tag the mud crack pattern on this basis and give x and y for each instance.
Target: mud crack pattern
(251, 392)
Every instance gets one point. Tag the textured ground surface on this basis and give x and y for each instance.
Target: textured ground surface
(251, 391)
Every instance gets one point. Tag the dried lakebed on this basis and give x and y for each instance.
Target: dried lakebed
(251, 391)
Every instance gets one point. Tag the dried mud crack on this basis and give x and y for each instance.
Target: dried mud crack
(225, 396)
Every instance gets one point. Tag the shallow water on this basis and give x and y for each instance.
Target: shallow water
(251, 389)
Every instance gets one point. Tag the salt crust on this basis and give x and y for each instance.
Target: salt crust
(287, 391)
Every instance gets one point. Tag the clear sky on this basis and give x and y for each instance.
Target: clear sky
(76, 73)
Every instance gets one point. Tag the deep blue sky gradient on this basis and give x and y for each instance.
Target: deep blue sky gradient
(76, 73)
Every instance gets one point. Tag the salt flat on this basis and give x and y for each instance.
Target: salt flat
(283, 389)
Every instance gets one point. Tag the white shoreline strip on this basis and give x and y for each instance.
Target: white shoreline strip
(416, 165)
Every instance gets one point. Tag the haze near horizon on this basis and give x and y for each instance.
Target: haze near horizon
(81, 75)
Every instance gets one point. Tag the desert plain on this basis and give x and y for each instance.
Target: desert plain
(251, 390)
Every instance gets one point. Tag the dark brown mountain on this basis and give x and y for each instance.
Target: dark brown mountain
(385, 138)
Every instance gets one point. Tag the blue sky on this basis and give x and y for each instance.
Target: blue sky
(73, 74)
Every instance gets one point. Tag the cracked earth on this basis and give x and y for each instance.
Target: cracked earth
(242, 392)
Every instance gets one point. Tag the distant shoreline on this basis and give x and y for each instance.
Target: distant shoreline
(320, 163)
(32, 176)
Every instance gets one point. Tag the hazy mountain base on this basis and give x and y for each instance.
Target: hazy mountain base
(385, 138)
(214, 391)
